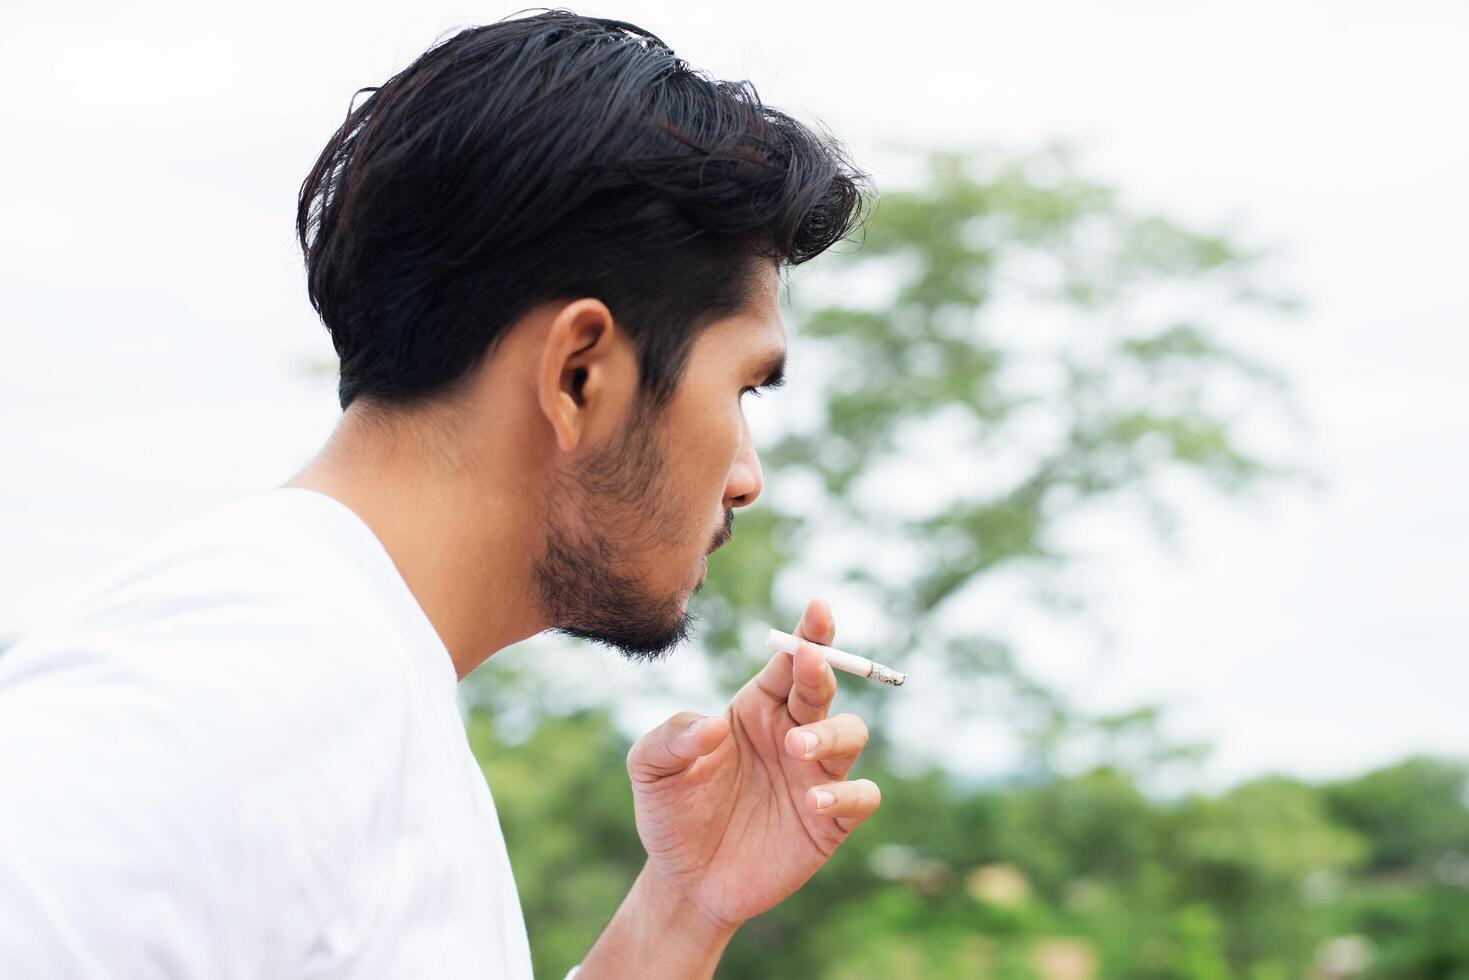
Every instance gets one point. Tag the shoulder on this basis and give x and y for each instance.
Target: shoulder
(255, 598)
(217, 630)
(212, 733)
(244, 638)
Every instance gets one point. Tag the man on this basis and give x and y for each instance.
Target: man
(548, 254)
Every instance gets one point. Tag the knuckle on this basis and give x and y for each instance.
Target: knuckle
(807, 697)
(846, 736)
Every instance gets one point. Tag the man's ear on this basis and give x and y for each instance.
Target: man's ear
(587, 370)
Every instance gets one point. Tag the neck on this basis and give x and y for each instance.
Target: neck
(460, 538)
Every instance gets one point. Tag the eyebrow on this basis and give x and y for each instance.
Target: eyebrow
(772, 366)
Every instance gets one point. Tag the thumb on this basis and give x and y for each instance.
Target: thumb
(674, 745)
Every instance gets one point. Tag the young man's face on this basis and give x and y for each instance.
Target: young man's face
(628, 537)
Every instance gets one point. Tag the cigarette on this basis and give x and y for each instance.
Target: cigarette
(839, 659)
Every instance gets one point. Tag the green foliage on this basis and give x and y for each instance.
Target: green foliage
(1409, 810)
(1097, 825)
(1264, 833)
(1421, 931)
(1250, 854)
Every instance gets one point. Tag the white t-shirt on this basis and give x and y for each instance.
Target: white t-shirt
(238, 753)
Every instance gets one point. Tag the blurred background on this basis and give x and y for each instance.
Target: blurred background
(1135, 430)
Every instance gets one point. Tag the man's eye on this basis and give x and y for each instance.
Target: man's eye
(767, 386)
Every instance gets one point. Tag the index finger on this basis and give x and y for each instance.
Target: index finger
(778, 675)
(813, 682)
(817, 624)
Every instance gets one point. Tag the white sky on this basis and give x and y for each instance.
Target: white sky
(155, 324)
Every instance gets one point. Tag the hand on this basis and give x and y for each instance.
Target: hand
(735, 811)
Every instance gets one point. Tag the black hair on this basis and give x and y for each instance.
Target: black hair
(546, 157)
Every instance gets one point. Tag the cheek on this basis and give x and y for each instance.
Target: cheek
(731, 437)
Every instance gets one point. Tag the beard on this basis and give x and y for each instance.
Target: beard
(618, 511)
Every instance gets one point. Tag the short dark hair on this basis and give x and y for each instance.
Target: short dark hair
(545, 157)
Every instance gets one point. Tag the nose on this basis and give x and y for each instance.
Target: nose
(745, 478)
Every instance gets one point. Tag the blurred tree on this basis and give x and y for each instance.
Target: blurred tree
(1011, 347)
(1413, 811)
(1096, 825)
(1414, 905)
(1417, 932)
(1249, 854)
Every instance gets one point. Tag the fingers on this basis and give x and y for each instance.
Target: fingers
(835, 742)
(817, 624)
(674, 745)
(850, 802)
(775, 677)
(813, 685)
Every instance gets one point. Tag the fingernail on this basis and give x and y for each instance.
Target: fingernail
(824, 799)
(809, 741)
